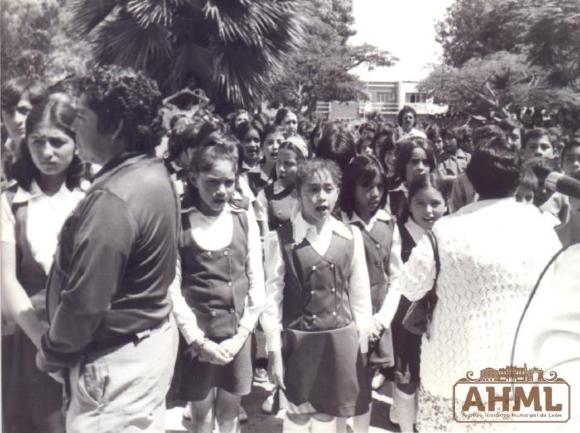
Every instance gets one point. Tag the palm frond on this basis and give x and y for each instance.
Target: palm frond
(122, 41)
(90, 13)
(149, 12)
(234, 47)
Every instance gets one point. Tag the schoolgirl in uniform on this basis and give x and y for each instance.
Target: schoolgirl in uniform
(222, 291)
(426, 206)
(414, 159)
(363, 199)
(279, 198)
(48, 175)
(319, 298)
(250, 136)
(272, 138)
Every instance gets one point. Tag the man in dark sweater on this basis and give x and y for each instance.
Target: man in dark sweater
(111, 335)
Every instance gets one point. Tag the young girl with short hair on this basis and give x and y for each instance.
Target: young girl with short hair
(319, 298)
(222, 291)
(362, 202)
(426, 206)
(279, 199)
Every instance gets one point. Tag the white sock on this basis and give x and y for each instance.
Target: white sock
(341, 425)
(289, 426)
(406, 410)
(318, 426)
(361, 423)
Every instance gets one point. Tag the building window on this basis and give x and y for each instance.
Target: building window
(386, 97)
(415, 98)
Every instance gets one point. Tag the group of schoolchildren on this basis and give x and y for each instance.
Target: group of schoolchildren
(301, 240)
(329, 222)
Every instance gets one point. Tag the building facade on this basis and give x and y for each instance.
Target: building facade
(385, 98)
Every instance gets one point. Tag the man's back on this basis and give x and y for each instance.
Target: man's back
(118, 252)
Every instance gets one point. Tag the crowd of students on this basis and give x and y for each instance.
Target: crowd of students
(295, 231)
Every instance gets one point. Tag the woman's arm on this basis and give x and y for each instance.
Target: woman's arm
(15, 301)
(183, 315)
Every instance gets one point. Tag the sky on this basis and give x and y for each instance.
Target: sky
(406, 28)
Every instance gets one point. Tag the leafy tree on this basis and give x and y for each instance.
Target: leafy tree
(321, 70)
(476, 28)
(230, 48)
(36, 40)
(506, 57)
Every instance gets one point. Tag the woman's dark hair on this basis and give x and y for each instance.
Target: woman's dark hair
(13, 90)
(119, 94)
(362, 170)
(270, 129)
(404, 153)
(420, 183)
(281, 115)
(494, 170)
(244, 129)
(406, 109)
(337, 144)
(59, 111)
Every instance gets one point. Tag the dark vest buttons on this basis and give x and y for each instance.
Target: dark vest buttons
(212, 313)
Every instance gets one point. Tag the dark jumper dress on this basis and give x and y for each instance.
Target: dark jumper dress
(215, 286)
(280, 206)
(378, 243)
(407, 345)
(322, 361)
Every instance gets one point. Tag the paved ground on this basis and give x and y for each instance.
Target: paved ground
(261, 423)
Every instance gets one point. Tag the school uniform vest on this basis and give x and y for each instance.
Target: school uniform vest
(280, 206)
(29, 272)
(316, 286)
(215, 283)
(378, 244)
(407, 242)
(255, 181)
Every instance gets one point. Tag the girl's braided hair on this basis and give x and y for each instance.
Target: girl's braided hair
(117, 93)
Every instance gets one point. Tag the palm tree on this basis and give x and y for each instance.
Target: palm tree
(231, 48)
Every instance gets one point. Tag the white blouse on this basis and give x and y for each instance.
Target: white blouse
(45, 216)
(491, 254)
(359, 286)
(214, 233)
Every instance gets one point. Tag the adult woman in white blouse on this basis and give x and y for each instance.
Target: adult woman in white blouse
(33, 211)
(491, 254)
